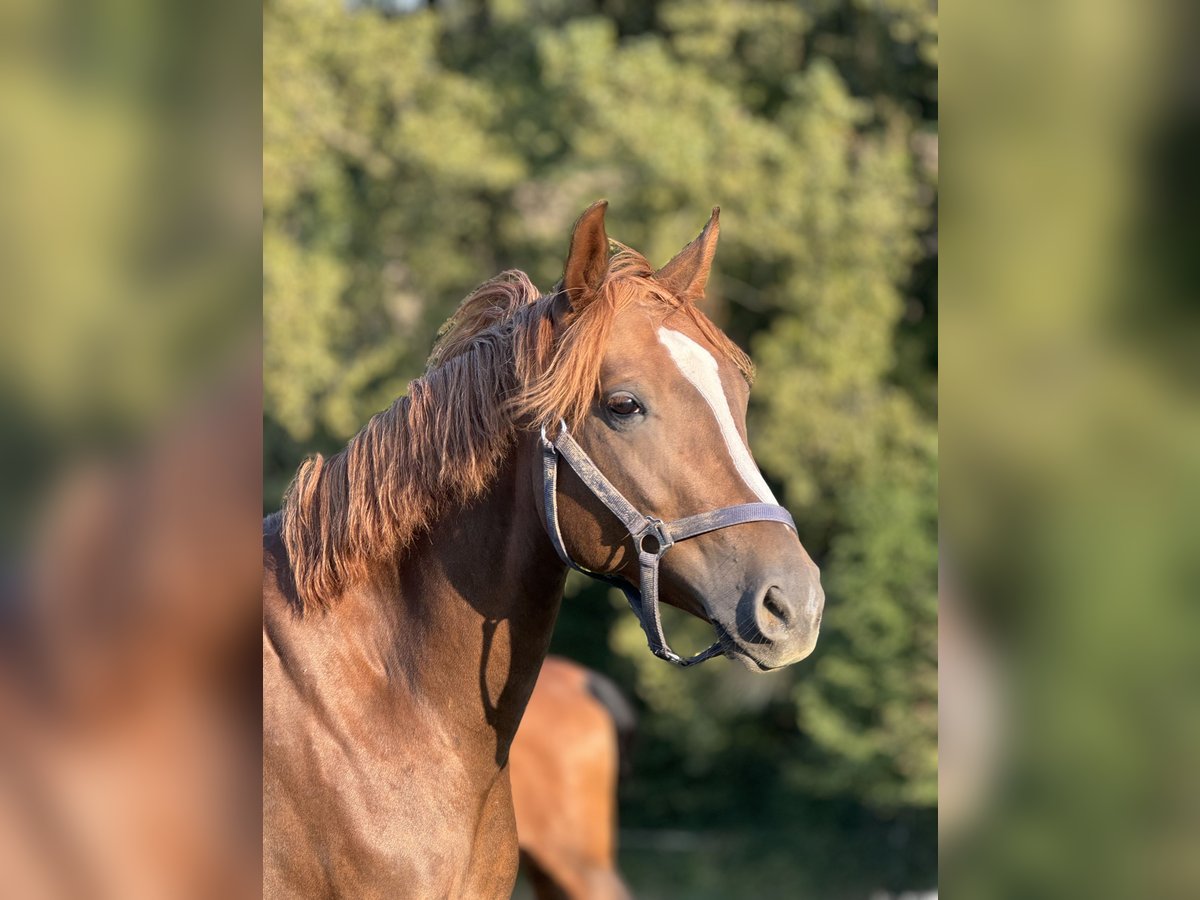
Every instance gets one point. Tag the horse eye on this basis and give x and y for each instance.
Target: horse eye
(623, 404)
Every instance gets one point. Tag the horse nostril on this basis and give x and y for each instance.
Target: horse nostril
(773, 601)
(775, 614)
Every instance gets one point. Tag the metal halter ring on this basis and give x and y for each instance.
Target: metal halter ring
(655, 529)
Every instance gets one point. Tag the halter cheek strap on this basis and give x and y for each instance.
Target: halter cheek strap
(652, 537)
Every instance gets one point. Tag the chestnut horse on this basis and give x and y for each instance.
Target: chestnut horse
(572, 745)
(412, 581)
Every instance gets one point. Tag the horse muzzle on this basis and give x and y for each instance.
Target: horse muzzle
(775, 623)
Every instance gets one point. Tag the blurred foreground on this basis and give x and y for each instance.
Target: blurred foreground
(129, 701)
(1070, 501)
(130, 447)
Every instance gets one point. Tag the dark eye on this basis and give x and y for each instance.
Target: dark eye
(623, 404)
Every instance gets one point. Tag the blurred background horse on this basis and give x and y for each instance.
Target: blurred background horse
(573, 745)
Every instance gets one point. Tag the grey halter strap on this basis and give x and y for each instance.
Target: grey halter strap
(652, 537)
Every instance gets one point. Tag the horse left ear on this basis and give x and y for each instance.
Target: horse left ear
(587, 260)
(687, 274)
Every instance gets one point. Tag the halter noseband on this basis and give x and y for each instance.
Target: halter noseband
(644, 530)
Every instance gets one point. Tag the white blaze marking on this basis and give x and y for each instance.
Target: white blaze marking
(700, 368)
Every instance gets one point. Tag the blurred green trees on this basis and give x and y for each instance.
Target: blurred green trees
(410, 153)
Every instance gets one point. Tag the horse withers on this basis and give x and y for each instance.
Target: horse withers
(412, 580)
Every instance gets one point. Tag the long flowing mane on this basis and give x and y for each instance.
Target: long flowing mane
(497, 367)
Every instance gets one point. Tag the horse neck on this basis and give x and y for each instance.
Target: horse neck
(472, 606)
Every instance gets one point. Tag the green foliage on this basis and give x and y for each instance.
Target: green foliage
(408, 156)
(870, 705)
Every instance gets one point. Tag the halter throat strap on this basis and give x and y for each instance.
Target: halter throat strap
(652, 537)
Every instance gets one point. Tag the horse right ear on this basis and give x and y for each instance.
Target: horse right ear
(687, 273)
(587, 260)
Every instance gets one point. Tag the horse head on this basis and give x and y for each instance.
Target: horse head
(666, 428)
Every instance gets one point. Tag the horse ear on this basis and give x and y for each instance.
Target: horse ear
(587, 260)
(687, 273)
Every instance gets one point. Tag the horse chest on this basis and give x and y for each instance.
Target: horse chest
(352, 816)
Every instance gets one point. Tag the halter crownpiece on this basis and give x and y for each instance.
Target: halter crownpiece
(651, 537)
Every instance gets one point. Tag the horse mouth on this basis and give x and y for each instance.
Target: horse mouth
(732, 650)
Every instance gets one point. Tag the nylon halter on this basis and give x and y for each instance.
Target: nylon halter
(651, 537)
